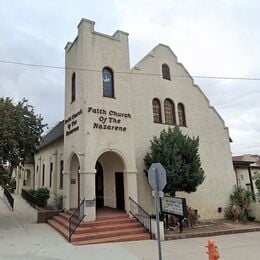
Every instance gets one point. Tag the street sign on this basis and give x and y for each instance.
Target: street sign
(157, 177)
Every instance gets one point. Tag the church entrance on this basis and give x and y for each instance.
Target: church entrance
(110, 181)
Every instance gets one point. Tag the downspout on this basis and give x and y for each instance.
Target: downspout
(251, 183)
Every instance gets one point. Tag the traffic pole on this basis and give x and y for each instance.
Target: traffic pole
(156, 198)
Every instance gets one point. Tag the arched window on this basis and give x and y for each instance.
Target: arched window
(108, 82)
(157, 118)
(166, 72)
(181, 115)
(73, 87)
(169, 111)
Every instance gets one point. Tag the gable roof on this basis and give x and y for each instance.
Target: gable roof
(151, 54)
(54, 134)
(248, 160)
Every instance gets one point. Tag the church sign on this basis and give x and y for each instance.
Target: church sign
(72, 123)
(174, 206)
(109, 119)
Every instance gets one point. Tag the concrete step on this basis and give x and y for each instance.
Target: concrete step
(104, 234)
(59, 227)
(110, 227)
(112, 216)
(116, 227)
(65, 215)
(135, 237)
(61, 221)
(108, 222)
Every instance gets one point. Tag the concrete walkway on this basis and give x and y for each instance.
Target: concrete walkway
(21, 238)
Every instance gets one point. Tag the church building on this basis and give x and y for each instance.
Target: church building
(112, 112)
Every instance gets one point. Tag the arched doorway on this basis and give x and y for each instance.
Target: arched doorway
(74, 182)
(110, 181)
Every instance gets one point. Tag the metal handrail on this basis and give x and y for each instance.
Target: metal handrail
(140, 215)
(76, 218)
(9, 197)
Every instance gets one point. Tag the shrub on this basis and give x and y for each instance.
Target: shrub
(38, 197)
(42, 195)
(57, 203)
(239, 203)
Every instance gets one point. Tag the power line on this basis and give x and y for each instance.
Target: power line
(124, 72)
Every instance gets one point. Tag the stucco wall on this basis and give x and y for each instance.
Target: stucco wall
(255, 210)
(202, 120)
(52, 153)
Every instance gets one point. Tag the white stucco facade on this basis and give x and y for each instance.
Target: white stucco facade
(245, 168)
(115, 132)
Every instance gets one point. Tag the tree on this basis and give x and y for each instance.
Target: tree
(20, 131)
(179, 156)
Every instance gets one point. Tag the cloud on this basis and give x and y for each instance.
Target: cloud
(211, 38)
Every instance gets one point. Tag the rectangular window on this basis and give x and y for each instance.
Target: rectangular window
(43, 173)
(61, 174)
(51, 169)
(248, 187)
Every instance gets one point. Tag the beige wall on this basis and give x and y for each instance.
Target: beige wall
(52, 153)
(243, 178)
(255, 210)
(202, 120)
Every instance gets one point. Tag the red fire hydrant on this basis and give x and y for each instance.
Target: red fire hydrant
(212, 250)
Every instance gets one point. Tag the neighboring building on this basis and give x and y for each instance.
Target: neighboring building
(245, 167)
(112, 112)
(24, 176)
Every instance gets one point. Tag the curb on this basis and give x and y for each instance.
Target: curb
(211, 233)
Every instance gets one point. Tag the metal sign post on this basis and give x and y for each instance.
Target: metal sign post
(175, 206)
(157, 180)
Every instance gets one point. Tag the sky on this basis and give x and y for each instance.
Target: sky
(210, 38)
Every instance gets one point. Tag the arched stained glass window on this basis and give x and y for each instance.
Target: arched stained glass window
(157, 117)
(73, 87)
(169, 111)
(108, 82)
(181, 115)
(166, 72)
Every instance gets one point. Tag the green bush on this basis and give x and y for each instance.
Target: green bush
(42, 195)
(239, 203)
(38, 197)
(32, 192)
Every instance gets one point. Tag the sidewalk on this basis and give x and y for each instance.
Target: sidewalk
(21, 238)
(213, 228)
